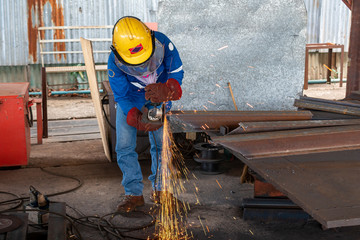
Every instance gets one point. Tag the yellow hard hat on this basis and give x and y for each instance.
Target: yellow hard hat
(132, 41)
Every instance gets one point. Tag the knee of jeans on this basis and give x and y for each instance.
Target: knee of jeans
(122, 145)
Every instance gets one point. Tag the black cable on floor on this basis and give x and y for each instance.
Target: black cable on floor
(8, 202)
(108, 227)
(80, 183)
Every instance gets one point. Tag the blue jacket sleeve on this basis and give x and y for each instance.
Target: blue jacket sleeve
(119, 85)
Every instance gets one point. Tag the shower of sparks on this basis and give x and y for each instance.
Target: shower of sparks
(218, 85)
(222, 48)
(172, 216)
(206, 125)
(212, 93)
(205, 107)
(211, 103)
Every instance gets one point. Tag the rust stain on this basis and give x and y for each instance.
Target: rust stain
(36, 19)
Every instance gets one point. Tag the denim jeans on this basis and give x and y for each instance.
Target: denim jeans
(127, 157)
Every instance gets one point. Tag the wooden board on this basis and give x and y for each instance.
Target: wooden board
(69, 130)
(95, 95)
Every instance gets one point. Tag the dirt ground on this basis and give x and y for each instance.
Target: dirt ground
(216, 212)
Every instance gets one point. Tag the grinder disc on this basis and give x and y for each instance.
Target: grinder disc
(9, 223)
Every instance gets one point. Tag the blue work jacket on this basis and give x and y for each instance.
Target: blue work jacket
(129, 91)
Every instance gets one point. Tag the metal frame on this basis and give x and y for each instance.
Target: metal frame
(44, 41)
(329, 46)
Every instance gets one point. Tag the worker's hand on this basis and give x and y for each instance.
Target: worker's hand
(163, 92)
(139, 120)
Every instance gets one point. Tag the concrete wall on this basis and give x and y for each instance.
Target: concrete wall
(258, 46)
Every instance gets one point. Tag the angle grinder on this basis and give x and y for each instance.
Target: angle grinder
(156, 112)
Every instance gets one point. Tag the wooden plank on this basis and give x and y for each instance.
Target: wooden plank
(73, 130)
(91, 73)
(57, 224)
(324, 185)
(71, 138)
(73, 122)
(74, 69)
(21, 232)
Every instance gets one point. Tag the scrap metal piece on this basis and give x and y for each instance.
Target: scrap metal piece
(337, 102)
(200, 121)
(328, 107)
(292, 142)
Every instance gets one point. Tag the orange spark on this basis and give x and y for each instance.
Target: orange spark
(249, 105)
(222, 48)
(218, 183)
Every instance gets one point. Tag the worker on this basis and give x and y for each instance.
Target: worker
(143, 67)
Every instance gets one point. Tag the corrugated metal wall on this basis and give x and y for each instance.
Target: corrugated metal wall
(20, 19)
(328, 21)
(13, 34)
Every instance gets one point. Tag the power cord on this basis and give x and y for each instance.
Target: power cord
(103, 102)
(104, 225)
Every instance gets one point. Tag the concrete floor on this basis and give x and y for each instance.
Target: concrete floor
(220, 195)
(219, 209)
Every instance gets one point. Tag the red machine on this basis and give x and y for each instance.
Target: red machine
(14, 124)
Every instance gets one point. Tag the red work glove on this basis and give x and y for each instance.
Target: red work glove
(163, 92)
(139, 120)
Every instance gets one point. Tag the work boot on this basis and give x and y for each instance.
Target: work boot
(130, 203)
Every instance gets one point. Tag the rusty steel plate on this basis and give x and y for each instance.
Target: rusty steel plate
(325, 185)
(292, 142)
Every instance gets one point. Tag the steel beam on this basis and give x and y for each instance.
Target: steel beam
(251, 127)
(189, 121)
(327, 107)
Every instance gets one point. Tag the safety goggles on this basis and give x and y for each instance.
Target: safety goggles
(146, 68)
